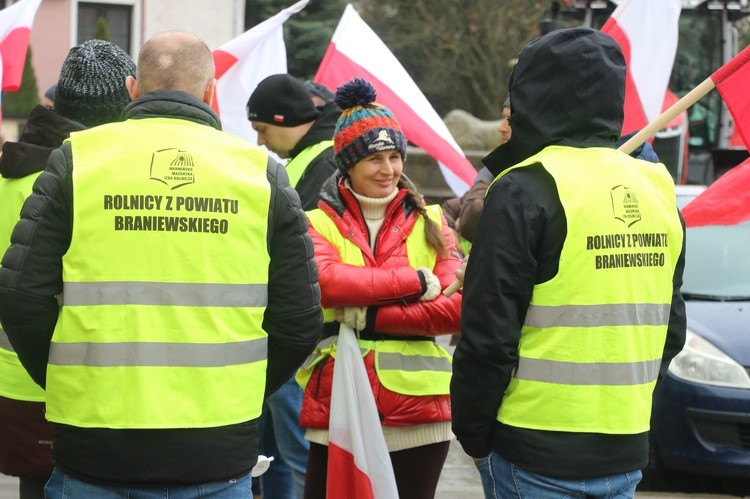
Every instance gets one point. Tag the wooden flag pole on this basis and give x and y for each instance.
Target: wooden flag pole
(661, 121)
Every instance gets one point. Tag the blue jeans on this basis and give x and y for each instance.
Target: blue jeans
(282, 437)
(501, 479)
(62, 486)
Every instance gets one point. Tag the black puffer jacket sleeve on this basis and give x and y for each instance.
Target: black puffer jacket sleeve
(293, 318)
(31, 273)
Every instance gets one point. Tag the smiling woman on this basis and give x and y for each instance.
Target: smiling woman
(383, 259)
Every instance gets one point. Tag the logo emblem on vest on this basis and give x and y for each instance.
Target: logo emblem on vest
(625, 205)
(173, 167)
(382, 143)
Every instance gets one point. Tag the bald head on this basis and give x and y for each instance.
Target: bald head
(175, 60)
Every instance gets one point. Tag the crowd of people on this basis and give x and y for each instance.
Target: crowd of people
(171, 295)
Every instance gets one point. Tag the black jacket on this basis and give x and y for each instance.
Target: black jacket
(323, 166)
(565, 90)
(31, 276)
(44, 131)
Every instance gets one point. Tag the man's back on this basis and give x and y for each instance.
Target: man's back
(181, 311)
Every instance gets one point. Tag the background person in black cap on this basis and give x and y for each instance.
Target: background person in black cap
(320, 93)
(283, 112)
(48, 99)
(568, 336)
(91, 92)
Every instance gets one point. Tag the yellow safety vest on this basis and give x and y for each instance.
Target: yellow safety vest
(165, 281)
(593, 337)
(296, 167)
(15, 382)
(407, 367)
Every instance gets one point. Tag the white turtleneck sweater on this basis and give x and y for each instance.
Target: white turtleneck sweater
(373, 209)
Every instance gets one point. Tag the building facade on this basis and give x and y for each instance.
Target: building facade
(62, 24)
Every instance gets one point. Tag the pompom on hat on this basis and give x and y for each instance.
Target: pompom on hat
(91, 89)
(364, 127)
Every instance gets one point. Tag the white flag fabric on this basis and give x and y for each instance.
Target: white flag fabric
(647, 32)
(358, 461)
(357, 51)
(242, 63)
(15, 30)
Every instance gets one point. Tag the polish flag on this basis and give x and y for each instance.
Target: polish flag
(731, 81)
(647, 32)
(356, 51)
(358, 461)
(15, 30)
(242, 63)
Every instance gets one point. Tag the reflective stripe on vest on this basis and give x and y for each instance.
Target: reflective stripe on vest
(15, 382)
(165, 293)
(5, 342)
(159, 354)
(165, 280)
(594, 334)
(407, 367)
(296, 167)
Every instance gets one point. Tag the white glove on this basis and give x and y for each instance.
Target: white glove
(433, 284)
(354, 317)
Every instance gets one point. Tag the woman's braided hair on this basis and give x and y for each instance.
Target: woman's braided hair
(433, 232)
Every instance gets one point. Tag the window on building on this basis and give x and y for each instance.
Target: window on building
(118, 22)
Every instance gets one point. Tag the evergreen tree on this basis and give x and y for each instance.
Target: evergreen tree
(21, 102)
(101, 30)
(306, 34)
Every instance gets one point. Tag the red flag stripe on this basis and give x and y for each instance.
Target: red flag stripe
(13, 49)
(729, 68)
(635, 117)
(344, 479)
(725, 202)
(731, 81)
(336, 69)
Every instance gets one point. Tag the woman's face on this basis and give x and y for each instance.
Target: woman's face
(504, 127)
(377, 175)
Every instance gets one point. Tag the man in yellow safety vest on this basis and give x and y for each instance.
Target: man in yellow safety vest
(187, 290)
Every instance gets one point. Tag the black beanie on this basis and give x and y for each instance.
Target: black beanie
(91, 89)
(281, 100)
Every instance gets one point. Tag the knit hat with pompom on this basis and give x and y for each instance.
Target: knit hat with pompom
(364, 127)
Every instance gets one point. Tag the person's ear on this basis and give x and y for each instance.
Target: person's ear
(208, 94)
(131, 84)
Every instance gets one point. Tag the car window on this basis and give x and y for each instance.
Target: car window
(716, 262)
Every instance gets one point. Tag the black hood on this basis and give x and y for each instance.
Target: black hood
(568, 88)
(44, 131)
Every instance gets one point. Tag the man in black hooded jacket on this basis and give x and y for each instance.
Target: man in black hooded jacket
(567, 325)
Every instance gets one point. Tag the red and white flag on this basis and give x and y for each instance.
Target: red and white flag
(647, 32)
(15, 30)
(356, 51)
(358, 461)
(731, 81)
(242, 63)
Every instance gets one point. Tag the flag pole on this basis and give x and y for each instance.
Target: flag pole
(661, 121)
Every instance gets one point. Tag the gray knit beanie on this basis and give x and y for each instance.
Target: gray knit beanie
(91, 89)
